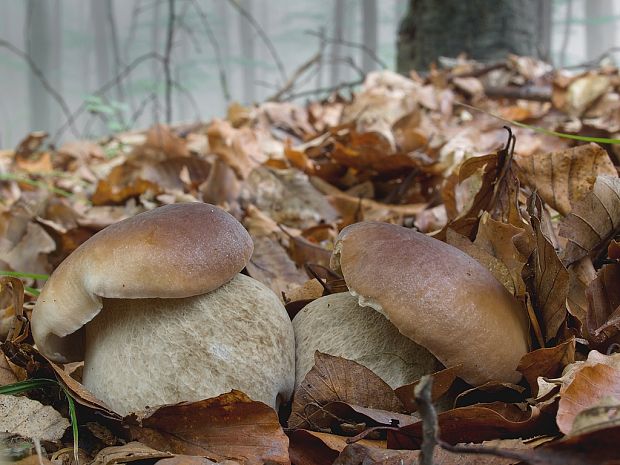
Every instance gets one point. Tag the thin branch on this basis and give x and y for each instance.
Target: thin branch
(565, 37)
(350, 44)
(141, 107)
(315, 59)
(71, 117)
(44, 82)
(263, 35)
(216, 48)
(327, 90)
(166, 62)
(189, 97)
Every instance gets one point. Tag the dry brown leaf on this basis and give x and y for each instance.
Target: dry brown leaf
(594, 220)
(565, 177)
(161, 143)
(550, 276)
(123, 182)
(130, 452)
(476, 424)
(581, 274)
(493, 264)
(547, 362)
(584, 91)
(588, 387)
(315, 448)
(603, 318)
(238, 148)
(334, 379)
(442, 382)
(192, 460)
(271, 265)
(356, 454)
(31, 419)
(228, 427)
(29, 253)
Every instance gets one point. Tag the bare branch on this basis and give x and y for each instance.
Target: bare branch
(263, 35)
(315, 59)
(324, 90)
(350, 44)
(166, 62)
(216, 48)
(44, 82)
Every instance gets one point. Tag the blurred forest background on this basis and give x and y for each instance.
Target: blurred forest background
(81, 69)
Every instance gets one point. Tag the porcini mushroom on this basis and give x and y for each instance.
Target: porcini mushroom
(156, 308)
(336, 325)
(437, 296)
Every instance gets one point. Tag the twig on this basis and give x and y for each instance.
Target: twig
(329, 90)
(216, 48)
(166, 62)
(107, 86)
(370, 53)
(534, 93)
(564, 47)
(316, 58)
(46, 85)
(430, 426)
(263, 35)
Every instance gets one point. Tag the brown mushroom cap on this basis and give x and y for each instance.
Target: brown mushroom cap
(437, 296)
(173, 251)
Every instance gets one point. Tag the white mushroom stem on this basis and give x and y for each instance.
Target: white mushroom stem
(147, 352)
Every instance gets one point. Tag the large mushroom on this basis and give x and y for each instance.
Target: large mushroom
(157, 309)
(436, 295)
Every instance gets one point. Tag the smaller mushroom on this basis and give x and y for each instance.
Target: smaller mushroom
(157, 309)
(437, 296)
(336, 325)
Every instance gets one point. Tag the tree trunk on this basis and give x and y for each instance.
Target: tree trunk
(485, 30)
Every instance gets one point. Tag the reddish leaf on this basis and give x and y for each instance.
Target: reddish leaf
(547, 362)
(227, 427)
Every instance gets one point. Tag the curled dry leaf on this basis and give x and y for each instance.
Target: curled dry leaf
(478, 423)
(238, 148)
(594, 220)
(581, 274)
(546, 362)
(603, 319)
(130, 452)
(315, 448)
(565, 177)
(227, 427)
(588, 387)
(442, 382)
(334, 379)
(31, 419)
(550, 276)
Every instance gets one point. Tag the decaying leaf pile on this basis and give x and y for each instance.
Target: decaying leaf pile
(541, 212)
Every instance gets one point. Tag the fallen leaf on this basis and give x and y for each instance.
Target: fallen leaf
(271, 265)
(315, 448)
(584, 91)
(550, 276)
(238, 148)
(442, 382)
(565, 177)
(603, 293)
(130, 452)
(588, 387)
(594, 220)
(547, 362)
(337, 379)
(31, 419)
(478, 423)
(228, 427)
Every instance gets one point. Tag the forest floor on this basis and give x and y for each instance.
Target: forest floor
(537, 204)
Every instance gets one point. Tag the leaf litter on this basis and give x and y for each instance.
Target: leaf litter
(542, 213)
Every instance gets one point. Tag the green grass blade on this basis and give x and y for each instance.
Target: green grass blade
(19, 274)
(74, 425)
(33, 183)
(28, 385)
(600, 140)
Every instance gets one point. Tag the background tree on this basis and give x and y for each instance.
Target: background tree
(484, 29)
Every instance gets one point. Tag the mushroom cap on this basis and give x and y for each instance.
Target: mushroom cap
(173, 251)
(336, 325)
(239, 336)
(437, 296)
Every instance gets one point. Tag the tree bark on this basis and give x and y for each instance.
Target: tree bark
(485, 30)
